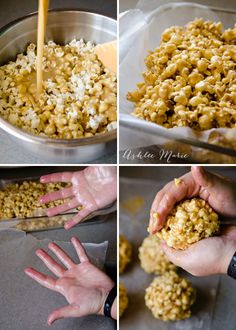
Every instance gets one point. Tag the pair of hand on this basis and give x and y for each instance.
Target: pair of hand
(84, 286)
(211, 255)
(93, 188)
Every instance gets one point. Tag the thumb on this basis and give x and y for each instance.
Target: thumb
(202, 177)
(176, 256)
(63, 312)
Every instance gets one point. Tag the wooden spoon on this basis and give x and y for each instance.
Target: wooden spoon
(107, 54)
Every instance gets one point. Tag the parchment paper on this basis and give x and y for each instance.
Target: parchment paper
(24, 303)
(137, 316)
(140, 31)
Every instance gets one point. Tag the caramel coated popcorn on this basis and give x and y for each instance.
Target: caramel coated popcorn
(123, 299)
(125, 253)
(170, 297)
(190, 78)
(178, 181)
(152, 258)
(78, 98)
(42, 223)
(189, 222)
(21, 200)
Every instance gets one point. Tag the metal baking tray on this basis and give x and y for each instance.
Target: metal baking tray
(40, 221)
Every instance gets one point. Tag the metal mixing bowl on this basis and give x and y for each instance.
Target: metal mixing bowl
(62, 27)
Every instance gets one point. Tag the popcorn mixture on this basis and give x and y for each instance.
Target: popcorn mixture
(169, 297)
(42, 223)
(125, 253)
(219, 139)
(204, 155)
(152, 258)
(189, 222)
(123, 299)
(178, 181)
(21, 200)
(79, 93)
(190, 78)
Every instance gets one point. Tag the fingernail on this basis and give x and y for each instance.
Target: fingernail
(38, 251)
(50, 245)
(66, 226)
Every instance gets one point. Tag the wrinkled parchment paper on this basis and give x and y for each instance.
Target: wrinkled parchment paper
(137, 316)
(24, 303)
(140, 31)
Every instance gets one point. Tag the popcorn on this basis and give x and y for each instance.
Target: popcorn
(178, 181)
(152, 257)
(112, 125)
(74, 78)
(170, 297)
(189, 222)
(21, 200)
(125, 253)
(190, 78)
(123, 299)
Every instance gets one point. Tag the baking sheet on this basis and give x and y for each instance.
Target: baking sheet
(24, 303)
(40, 214)
(134, 227)
(140, 31)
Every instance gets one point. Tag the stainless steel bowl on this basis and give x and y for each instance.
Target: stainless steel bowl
(62, 27)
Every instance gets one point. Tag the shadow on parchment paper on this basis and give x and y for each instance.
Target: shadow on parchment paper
(136, 302)
(201, 301)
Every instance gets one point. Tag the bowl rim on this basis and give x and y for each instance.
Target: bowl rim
(5, 27)
(27, 136)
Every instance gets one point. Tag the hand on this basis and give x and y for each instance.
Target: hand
(218, 191)
(93, 188)
(206, 257)
(84, 286)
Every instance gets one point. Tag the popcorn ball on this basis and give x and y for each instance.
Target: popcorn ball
(170, 297)
(152, 258)
(190, 78)
(78, 98)
(123, 299)
(189, 222)
(125, 253)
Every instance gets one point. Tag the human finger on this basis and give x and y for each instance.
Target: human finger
(167, 197)
(78, 218)
(55, 195)
(63, 208)
(64, 312)
(51, 264)
(79, 250)
(62, 256)
(57, 177)
(44, 280)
